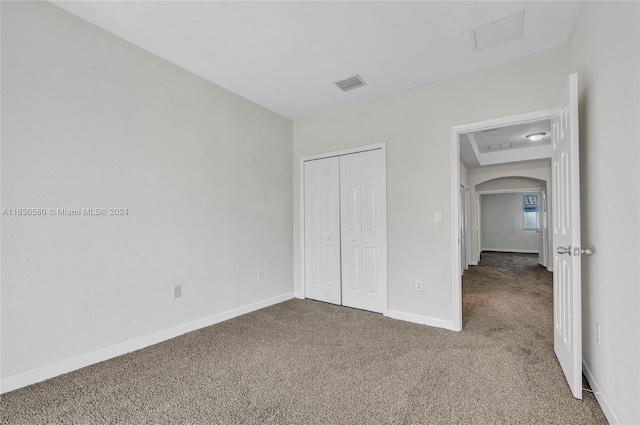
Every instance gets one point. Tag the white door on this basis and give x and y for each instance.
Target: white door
(362, 228)
(463, 229)
(567, 311)
(322, 229)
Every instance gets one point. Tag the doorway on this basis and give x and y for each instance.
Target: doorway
(490, 158)
(564, 154)
(343, 228)
(512, 220)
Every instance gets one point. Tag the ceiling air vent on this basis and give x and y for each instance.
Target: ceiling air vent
(350, 83)
(500, 147)
(500, 31)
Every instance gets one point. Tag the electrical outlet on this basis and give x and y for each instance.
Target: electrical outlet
(177, 291)
(437, 216)
(260, 275)
(418, 285)
(598, 333)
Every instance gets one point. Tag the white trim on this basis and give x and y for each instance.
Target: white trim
(422, 320)
(529, 190)
(602, 398)
(478, 229)
(385, 287)
(505, 121)
(349, 151)
(301, 215)
(456, 131)
(519, 251)
(456, 285)
(299, 295)
(33, 376)
(382, 146)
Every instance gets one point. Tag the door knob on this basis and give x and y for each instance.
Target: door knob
(587, 252)
(562, 250)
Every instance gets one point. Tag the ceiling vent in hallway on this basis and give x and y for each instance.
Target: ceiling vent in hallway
(500, 31)
(350, 83)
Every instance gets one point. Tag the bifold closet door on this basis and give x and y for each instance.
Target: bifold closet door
(322, 230)
(361, 223)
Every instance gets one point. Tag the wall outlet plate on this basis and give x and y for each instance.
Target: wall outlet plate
(177, 291)
(418, 285)
(260, 275)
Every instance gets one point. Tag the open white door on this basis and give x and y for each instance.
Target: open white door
(567, 311)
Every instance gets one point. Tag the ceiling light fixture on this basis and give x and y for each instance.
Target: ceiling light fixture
(536, 137)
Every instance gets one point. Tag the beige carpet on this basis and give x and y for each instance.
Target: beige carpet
(306, 362)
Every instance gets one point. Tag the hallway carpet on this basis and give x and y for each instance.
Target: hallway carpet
(306, 362)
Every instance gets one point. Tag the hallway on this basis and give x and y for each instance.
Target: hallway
(508, 298)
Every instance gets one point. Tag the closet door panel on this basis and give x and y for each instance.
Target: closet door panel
(350, 222)
(361, 183)
(372, 235)
(322, 230)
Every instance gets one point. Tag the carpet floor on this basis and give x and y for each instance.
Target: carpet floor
(307, 362)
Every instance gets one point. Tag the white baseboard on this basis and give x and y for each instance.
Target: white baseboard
(299, 295)
(422, 320)
(33, 376)
(519, 251)
(605, 405)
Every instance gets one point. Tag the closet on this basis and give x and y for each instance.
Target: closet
(344, 230)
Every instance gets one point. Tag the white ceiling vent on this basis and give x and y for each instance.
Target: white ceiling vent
(500, 147)
(350, 83)
(500, 31)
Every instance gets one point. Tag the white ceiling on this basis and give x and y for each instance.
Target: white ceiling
(286, 55)
(505, 144)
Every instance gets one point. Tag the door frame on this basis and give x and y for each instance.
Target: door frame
(465, 226)
(456, 131)
(381, 146)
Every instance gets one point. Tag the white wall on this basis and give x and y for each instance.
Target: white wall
(90, 121)
(605, 54)
(416, 125)
(509, 176)
(501, 224)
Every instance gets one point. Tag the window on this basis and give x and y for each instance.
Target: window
(529, 211)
